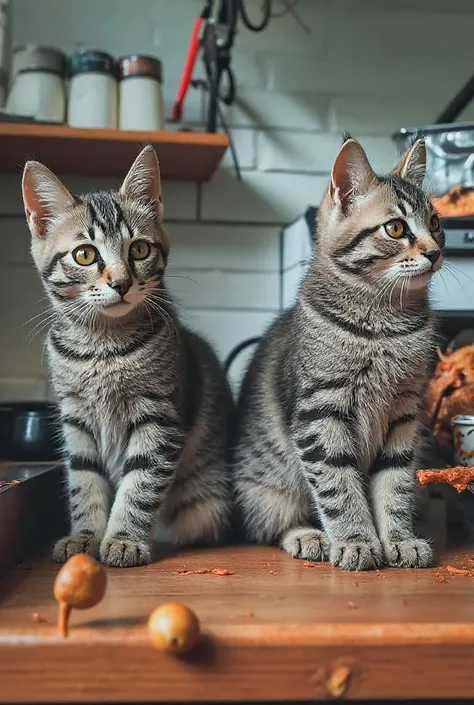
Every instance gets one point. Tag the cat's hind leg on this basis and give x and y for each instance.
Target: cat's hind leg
(275, 512)
(197, 508)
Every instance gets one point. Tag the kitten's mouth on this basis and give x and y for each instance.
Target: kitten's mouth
(116, 309)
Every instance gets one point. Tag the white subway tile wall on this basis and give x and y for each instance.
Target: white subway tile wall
(366, 66)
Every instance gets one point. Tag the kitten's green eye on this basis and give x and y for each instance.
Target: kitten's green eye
(139, 249)
(85, 255)
(434, 223)
(395, 228)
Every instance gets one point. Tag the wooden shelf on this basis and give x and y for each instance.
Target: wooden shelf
(187, 156)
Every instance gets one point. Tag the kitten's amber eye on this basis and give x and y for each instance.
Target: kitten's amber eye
(395, 228)
(139, 249)
(85, 255)
(434, 223)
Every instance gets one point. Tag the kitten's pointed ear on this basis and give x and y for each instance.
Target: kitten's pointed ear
(143, 182)
(352, 176)
(44, 197)
(412, 166)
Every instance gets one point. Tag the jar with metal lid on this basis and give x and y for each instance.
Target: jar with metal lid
(37, 86)
(141, 95)
(93, 90)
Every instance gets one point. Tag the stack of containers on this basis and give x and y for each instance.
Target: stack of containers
(90, 89)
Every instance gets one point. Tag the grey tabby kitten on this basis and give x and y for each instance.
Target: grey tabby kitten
(145, 406)
(330, 406)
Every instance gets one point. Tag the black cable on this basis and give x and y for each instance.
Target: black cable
(199, 83)
(455, 107)
(233, 153)
(237, 350)
(266, 16)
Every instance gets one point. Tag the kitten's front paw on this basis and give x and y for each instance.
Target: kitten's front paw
(119, 553)
(411, 553)
(306, 543)
(68, 546)
(356, 555)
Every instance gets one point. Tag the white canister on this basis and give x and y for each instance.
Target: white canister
(140, 93)
(463, 432)
(93, 90)
(38, 88)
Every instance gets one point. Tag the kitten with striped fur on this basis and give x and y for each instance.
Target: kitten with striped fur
(145, 406)
(329, 412)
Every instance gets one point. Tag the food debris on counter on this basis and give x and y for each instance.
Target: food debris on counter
(339, 680)
(206, 571)
(452, 570)
(10, 483)
(458, 477)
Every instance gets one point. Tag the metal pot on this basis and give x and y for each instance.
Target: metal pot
(29, 431)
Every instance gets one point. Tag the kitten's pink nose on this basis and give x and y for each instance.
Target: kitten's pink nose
(121, 287)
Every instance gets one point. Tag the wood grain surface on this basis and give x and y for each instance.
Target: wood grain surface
(276, 629)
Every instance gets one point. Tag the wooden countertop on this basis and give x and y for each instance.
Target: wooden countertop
(274, 630)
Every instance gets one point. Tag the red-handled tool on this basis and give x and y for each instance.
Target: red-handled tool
(189, 64)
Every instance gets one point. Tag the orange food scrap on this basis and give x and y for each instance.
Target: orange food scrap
(273, 572)
(458, 477)
(10, 483)
(36, 617)
(458, 201)
(352, 605)
(206, 571)
(310, 564)
(355, 584)
(452, 570)
(338, 680)
(222, 571)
